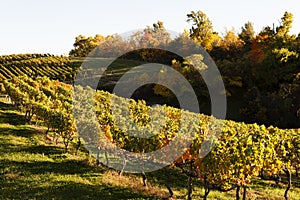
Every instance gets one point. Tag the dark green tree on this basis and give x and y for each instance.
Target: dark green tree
(248, 33)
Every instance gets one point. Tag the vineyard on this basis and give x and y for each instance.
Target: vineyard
(191, 105)
(33, 65)
(240, 153)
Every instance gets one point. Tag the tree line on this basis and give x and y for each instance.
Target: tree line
(260, 70)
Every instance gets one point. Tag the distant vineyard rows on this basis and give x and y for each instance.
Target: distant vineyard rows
(34, 65)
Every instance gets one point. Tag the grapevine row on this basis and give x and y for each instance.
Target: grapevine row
(237, 152)
(33, 65)
(233, 153)
(54, 107)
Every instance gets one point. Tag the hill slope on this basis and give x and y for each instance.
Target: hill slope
(32, 168)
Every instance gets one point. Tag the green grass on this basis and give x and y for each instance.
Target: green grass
(31, 167)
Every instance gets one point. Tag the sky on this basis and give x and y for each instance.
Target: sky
(50, 26)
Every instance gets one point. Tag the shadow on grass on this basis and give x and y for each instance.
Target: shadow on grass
(177, 179)
(7, 106)
(22, 131)
(261, 183)
(52, 151)
(10, 117)
(64, 167)
(68, 190)
(296, 181)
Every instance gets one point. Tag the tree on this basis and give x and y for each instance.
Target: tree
(155, 36)
(113, 46)
(267, 32)
(286, 25)
(184, 44)
(228, 55)
(84, 45)
(248, 33)
(202, 30)
(232, 43)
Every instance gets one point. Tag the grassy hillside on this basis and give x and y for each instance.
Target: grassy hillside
(31, 167)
